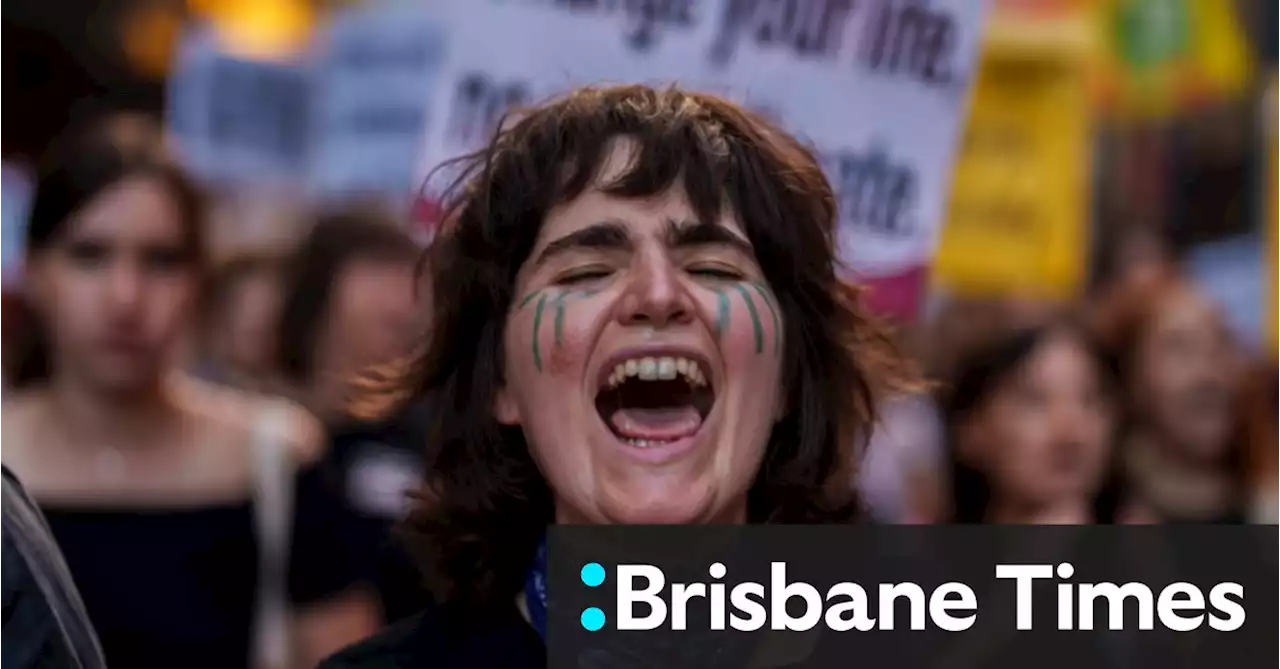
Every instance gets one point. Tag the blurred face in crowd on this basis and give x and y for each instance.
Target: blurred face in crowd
(371, 316)
(250, 322)
(117, 286)
(1184, 374)
(1043, 435)
(642, 359)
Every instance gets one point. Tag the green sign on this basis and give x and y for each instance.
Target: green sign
(1151, 33)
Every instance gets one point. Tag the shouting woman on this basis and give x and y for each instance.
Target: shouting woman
(637, 318)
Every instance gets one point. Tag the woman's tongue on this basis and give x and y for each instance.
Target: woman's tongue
(656, 424)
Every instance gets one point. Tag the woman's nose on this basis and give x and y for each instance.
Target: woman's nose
(656, 297)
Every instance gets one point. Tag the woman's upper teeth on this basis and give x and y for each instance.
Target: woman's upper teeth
(664, 368)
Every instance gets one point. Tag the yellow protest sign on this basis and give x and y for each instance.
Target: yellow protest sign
(1271, 226)
(1019, 209)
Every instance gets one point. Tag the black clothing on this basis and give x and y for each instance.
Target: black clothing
(175, 587)
(376, 465)
(428, 640)
(45, 624)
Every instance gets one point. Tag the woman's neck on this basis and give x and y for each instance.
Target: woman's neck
(1176, 487)
(84, 414)
(1065, 512)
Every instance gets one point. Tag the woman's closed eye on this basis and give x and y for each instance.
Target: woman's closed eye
(583, 275)
(720, 272)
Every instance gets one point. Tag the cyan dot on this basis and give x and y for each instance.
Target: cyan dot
(592, 619)
(592, 574)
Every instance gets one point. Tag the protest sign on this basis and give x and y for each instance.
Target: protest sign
(1166, 55)
(879, 88)
(376, 70)
(1271, 222)
(237, 120)
(1019, 211)
(15, 193)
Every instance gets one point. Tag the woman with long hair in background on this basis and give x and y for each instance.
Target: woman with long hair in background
(191, 518)
(1179, 371)
(349, 302)
(1029, 416)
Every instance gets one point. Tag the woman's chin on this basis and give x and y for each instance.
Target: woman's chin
(676, 507)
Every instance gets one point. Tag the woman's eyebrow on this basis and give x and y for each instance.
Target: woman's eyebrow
(610, 235)
(691, 233)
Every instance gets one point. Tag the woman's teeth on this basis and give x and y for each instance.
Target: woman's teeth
(645, 443)
(658, 369)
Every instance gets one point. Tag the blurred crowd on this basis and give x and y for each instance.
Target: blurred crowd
(137, 371)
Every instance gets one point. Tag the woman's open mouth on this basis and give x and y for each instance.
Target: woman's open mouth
(649, 401)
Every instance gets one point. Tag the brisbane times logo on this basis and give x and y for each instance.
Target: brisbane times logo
(646, 601)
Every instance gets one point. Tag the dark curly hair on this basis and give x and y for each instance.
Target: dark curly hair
(484, 505)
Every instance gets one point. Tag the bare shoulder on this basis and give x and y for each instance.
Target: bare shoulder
(15, 442)
(245, 415)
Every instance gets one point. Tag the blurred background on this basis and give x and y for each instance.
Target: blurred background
(1099, 308)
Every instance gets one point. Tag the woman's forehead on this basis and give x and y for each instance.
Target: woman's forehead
(643, 216)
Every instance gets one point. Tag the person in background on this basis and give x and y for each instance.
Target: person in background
(45, 625)
(1029, 418)
(1258, 425)
(349, 304)
(241, 317)
(193, 519)
(1179, 380)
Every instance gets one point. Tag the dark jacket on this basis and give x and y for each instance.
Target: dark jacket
(429, 640)
(45, 624)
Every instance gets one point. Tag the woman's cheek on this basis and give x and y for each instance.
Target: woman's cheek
(746, 322)
(556, 334)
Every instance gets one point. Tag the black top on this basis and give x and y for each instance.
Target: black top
(45, 625)
(429, 639)
(377, 464)
(176, 587)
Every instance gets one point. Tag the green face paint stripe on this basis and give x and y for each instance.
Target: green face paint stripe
(773, 312)
(722, 312)
(537, 325)
(756, 326)
(529, 298)
(559, 301)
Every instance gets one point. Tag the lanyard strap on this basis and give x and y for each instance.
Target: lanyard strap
(535, 590)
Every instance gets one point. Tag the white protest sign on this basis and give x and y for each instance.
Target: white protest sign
(504, 54)
(879, 87)
(376, 71)
(14, 201)
(238, 121)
